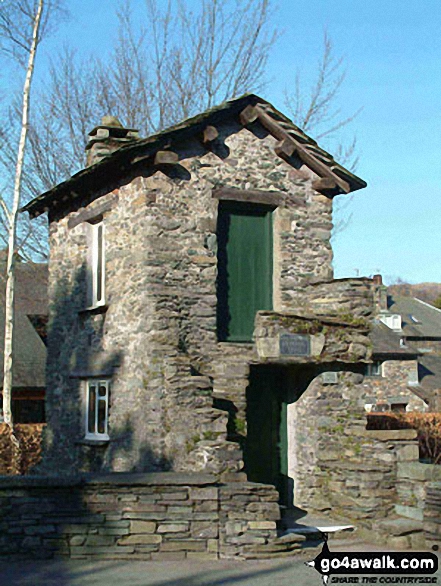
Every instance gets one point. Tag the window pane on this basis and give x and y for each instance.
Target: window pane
(99, 267)
(103, 390)
(91, 409)
(102, 415)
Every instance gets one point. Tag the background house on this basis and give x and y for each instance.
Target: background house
(406, 337)
(29, 363)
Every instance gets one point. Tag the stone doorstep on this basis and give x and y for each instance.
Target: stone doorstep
(400, 527)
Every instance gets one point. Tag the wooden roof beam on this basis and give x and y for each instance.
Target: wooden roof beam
(278, 132)
(327, 186)
(210, 134)
(285, 149)
(166, 158)
(248, 115)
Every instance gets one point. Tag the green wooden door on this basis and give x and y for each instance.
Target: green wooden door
(266, 447)
(245, 268)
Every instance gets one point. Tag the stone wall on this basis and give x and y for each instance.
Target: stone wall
(147, 517)
(346, 299)
(432, 514)
(413, 480)
(433, 346)
(338, 467)
(156, 338)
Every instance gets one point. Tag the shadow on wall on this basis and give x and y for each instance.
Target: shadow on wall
(78, 356)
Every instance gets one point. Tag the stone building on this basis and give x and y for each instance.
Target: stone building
(195, 324)
(406, 371)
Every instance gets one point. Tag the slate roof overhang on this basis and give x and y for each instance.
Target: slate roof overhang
(429, 371)
(386, 344)
(247, 109)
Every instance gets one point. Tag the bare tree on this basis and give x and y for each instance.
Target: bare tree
(317, 111)
(21, 25)
(166, 65)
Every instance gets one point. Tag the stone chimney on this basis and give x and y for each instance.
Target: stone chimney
(380, 294)
(106, 138)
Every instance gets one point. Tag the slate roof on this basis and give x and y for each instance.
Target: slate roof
(429, 371)
(428, 324)
(29, 349)
(98, 175)
(386, 342)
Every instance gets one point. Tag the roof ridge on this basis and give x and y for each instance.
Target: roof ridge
(427, 304)
(333, 177)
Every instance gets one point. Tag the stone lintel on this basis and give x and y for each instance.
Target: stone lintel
(93, 211)
(291, 338)
(271, 198)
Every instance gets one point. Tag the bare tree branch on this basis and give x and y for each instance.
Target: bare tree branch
(34, 27)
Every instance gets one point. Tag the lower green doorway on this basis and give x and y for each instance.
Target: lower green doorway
(266, 447)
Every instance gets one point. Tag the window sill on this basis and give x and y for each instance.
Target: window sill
(94, 309)
(94, 441)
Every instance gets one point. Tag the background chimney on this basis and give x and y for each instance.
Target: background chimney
(106, 138)
(380, 293)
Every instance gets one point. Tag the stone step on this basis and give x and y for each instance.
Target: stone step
(285, 545)
(399, 526)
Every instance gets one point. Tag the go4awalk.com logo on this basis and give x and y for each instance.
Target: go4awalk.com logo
(375, 568)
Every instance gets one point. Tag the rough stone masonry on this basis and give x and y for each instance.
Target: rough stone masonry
(178, 395)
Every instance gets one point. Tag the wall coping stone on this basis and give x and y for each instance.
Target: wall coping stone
(113, 478)
(419, 471)
(311, 317)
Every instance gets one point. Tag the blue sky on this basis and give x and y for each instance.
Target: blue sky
(393, 57)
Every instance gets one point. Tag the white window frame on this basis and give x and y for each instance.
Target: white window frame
(93, 433)
(375, 369)
(96, 261)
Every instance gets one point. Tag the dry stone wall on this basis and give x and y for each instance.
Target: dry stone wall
(340, 468)
(432, 514)
(128, 516)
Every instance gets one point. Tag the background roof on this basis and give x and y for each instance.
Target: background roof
(31, 300)
(386, 341)
(419, 319)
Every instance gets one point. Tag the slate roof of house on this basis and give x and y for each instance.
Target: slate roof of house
(29, 364)
(386, 342)
(429, 371)
(419, 319)
(98, 175)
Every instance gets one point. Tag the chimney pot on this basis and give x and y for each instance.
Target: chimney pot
(377, 279)
(111, 121)
(108, 137)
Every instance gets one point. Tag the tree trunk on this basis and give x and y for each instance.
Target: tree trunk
(10, 274)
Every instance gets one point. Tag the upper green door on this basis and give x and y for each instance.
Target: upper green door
(245, 268)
